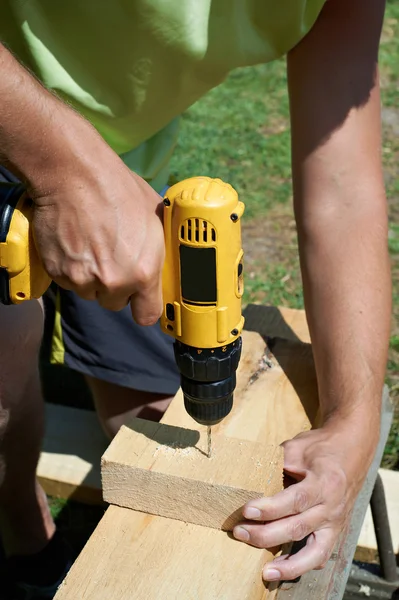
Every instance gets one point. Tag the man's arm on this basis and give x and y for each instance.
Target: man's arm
(95, 223)
(341, 215)
(340, 205)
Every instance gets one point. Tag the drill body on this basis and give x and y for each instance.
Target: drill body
(202, 290)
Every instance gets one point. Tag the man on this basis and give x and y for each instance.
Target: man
(130, 67)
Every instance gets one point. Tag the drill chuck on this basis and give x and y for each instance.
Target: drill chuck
(208, 380)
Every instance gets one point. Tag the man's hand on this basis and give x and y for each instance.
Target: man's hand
(96, 225)
(98, 234)
(329, 466)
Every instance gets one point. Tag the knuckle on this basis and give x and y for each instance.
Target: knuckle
(299, 530)
(77, 276)
(259, 542)
(290, 572)
(301, 501)
(111, 281)
(258, 537)
(338, 514)
(325, 555)
(337, 480)
(145, 274)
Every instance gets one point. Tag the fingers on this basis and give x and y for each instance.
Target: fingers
(290, 529)
(291, 501)
(314, 555)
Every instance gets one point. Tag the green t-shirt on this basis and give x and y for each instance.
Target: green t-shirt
(133, 66)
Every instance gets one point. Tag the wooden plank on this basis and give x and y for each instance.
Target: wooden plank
(367, 543)
(69, 465)
(165, 470)
(329, 584)
(134, 555)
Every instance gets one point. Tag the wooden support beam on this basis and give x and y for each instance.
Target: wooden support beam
(165, 470)
(136, 555)
(367, 543)
(69, 465)
(133, 556)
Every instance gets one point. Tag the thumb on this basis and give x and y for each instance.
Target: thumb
(146, 304)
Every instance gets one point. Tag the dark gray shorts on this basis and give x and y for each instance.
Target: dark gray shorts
(107, 345)
(110, 345)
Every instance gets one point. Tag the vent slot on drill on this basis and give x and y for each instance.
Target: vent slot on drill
(197, 231)
(198, 275)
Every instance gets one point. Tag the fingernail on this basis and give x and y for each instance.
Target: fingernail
(270, 574)
(251, 513)
(241, 534)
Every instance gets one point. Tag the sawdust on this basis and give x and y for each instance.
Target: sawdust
(174, 449)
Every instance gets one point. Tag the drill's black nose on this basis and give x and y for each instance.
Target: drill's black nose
(207, 410)
(208, 380)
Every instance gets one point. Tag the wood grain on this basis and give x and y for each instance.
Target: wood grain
(135, 555)
(164, 470)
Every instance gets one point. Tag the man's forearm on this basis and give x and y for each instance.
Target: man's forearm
(340, 205)
(347, 292)
(36, 128)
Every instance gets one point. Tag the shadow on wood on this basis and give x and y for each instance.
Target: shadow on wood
(293, 353)
(161, 434)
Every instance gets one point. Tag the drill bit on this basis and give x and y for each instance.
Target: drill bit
(209, 432)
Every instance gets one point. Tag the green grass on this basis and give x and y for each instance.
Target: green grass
(240, 133)
(271, 287)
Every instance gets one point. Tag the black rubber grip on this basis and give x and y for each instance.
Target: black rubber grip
(206, 364)
(208, 380)
(208, 403)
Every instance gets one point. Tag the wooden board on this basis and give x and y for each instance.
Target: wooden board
(134, 555)
(165, 470)
(69, 465)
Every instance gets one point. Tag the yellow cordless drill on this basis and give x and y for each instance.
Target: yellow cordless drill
(202, 290)
(202, 283)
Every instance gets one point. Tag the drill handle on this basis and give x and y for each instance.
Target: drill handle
(22, 275)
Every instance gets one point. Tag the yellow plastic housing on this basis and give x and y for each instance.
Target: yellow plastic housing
(18, 255)
(201, 213)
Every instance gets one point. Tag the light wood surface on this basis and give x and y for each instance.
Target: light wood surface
(135, 555)
(165, 470)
